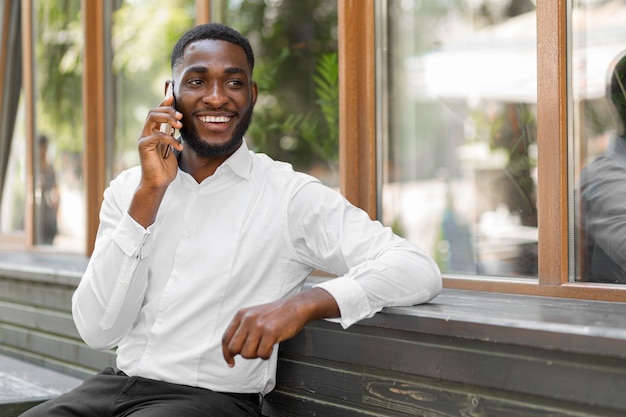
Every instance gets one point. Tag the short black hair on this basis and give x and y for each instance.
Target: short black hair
(211, 31)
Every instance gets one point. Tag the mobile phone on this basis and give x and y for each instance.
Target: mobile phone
(166, 127)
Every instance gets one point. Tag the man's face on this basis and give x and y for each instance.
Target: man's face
(215, 93)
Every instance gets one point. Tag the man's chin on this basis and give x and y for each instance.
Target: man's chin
(212, 149)
(207, 146)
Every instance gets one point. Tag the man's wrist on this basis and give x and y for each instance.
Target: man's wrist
(316, 304)
(145, 205)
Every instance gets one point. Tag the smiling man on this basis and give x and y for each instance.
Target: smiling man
(216, 89)
(201, 255)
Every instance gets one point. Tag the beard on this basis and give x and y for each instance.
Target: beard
(208, 150)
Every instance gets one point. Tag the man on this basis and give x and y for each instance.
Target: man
(603, 194)
(202, 252)
(48, 195)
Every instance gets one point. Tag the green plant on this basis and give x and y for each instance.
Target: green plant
(319, 128)
(322, 135)
(327, 90)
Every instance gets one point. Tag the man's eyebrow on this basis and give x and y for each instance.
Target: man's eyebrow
(199, 69)
(234, 70)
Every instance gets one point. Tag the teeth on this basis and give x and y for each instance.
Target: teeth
(214, 119)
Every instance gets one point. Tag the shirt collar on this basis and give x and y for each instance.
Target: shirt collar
(240, 162)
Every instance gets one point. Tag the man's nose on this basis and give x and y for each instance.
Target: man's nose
(215, 96)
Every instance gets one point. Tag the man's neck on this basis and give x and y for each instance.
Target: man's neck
(199, 167)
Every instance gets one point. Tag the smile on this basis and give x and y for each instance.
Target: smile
(214, 119)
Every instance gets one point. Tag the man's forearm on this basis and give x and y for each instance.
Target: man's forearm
(145, 205)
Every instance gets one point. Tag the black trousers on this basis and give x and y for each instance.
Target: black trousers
(113, 394)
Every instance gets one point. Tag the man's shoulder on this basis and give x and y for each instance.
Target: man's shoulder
(278, 175)
(266, 162)
(266, 165)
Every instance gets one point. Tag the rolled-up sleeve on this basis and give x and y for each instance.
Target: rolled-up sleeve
(375, 267)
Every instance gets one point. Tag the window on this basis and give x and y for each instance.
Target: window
(59, 198)
(460, 145)
(141, 65)
(296, 117)
(442, 123)
(440, 158)
(13, 189)
(42, 200)
(598, 115)
(14, 194)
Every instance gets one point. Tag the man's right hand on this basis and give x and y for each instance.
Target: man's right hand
(157, 170)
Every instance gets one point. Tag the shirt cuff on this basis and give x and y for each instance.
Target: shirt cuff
(351, 299)
(130, 236)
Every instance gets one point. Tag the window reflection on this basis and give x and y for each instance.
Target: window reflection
(599, 114)
(144, 33)
(58, 145)
(13, 201)
(296, 117)
(460, 153)
(47, 194)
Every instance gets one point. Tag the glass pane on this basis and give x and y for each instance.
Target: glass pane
(14, 194)
(460, 149)
(296, 117)
(144, 33)
(59, 193)
(598, 69)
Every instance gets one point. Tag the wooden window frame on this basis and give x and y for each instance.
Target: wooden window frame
(94, 81)
(357, 82)
(358, 136)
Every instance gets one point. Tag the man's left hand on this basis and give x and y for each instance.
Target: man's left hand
(254, 331)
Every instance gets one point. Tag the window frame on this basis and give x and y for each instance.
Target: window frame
(358, 135)
(28, 86)
(358, 130)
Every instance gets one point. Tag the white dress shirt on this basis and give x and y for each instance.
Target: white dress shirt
(249, 234)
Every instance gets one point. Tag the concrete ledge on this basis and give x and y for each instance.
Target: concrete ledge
(465, 353)
(24, 385)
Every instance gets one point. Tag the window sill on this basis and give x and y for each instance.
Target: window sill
(560, 324)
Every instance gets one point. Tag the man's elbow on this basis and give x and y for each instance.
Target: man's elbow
(91, 333)
(430, 282)
(436, 285)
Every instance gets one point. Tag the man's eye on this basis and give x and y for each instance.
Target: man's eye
(195, 82)
(235, 83)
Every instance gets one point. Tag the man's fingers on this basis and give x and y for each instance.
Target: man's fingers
(249, 337)
(168, 144)
(168, 100)
(265, 348)
(227, 351)
(161, 116)
(248, 345)
(241, 338)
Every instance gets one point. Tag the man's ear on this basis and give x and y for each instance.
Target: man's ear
(254, 90)
(167, 84)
